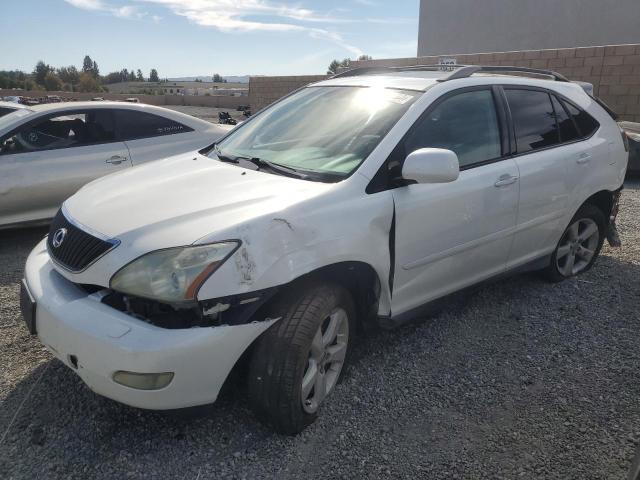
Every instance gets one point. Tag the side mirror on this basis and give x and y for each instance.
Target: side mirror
(431, 165)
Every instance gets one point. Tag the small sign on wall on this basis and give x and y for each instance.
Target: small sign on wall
(447, 64)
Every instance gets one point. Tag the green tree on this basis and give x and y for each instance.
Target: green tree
(52, 82)
(41, 71)
(69, 75)
(87, 64)
(153, 75)
(88, 83)
(139, 76)
(217, 78)
(365, 57)
(336, 64)
(132, 76)
(95, 71)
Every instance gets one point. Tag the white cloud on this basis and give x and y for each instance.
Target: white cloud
(245, 16)
(126, 11)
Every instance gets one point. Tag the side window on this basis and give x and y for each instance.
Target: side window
(586, 123)
(465, 123)
(133, 125)
(533, 119)
(568, 130)
(73, 129)
(5, 110)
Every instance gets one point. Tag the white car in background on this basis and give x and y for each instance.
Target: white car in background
(47, 152)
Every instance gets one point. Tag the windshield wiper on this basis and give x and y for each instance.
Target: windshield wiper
(224, 158)
(259, 162)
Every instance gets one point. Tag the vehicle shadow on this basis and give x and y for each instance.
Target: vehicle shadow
(411, 380)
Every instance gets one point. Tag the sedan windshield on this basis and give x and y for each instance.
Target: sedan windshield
(319, 131)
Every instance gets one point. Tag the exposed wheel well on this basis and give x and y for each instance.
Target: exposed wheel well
(360, 279)
(603, 200)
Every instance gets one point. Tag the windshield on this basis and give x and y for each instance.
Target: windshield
(320, 130)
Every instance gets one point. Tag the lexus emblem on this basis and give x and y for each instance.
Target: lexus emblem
(58, 237)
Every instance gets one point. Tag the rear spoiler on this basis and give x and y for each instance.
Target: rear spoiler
(588, 87)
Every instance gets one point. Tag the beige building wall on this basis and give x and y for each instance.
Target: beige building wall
(614, 70)
(265, 90)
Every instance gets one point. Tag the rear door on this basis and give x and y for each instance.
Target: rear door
(542, 160)
(47, 160)
(152, 137)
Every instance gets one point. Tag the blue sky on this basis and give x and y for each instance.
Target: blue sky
(202, 37)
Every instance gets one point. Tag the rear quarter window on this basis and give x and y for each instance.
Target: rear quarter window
(585, 122)
(134, 125)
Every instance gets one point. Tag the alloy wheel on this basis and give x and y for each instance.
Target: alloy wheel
(326, 358)
(577, 247)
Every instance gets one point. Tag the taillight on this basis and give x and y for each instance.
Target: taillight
(625, 140)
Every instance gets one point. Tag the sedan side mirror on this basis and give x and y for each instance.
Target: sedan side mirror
(431, 165)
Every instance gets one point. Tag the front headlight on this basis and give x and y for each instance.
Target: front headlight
(173, 274)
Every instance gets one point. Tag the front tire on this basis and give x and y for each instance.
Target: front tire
(298, 361)
(579, 245)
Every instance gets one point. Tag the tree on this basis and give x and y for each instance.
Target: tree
(95, 71)
(132, 76)
(139, 76)
(87, 64)
(365, 57)
(112, 77)
(69, 75)
(52, 82)
(88, 83)
(336, 64)
(217, 78)
(41, 71)
(153, 75)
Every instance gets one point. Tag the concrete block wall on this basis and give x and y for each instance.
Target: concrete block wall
(614, 70)
(265, 90)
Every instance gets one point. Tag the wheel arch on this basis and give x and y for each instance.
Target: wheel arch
(604, 200)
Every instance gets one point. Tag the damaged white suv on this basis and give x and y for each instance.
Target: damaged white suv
(353, 202)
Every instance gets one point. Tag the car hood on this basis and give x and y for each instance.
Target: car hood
(180, 200)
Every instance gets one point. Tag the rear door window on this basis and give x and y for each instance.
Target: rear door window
(533, 119)
(133, 125)
(568, 130)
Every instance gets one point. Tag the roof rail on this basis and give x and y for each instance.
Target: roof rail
(467, 71)
(459, 71)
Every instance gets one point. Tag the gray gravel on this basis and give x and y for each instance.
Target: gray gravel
(521, 379)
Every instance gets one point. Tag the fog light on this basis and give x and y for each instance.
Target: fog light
(143, 381)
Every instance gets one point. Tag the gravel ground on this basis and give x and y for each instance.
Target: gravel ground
(521, 379)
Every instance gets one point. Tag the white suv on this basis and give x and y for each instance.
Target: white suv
(353, 202)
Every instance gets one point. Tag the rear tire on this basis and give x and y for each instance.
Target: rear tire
(298, 361)
(579, 245)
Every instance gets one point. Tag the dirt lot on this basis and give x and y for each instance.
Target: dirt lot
(209, 114)
(522, 379)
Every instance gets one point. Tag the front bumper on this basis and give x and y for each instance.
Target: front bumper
(96, 340)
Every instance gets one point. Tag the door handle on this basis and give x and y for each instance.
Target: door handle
(583, 158)
(506, 179)
(116, 160)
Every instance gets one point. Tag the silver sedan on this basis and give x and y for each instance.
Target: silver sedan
(47, 152)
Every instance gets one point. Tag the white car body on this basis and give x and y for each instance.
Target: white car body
(34, 183)
(421, 242)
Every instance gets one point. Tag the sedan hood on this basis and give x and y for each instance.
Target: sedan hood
(181, 199)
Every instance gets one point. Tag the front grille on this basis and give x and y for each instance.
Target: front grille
(78, 249)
